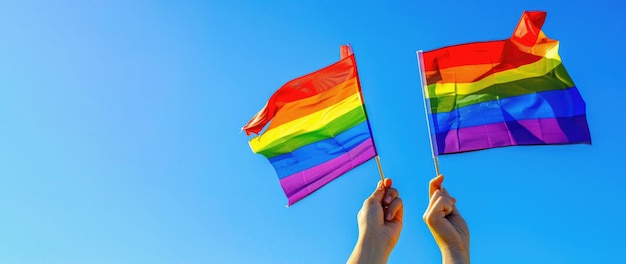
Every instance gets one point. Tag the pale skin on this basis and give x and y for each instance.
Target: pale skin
(380, 222)
(446, 224)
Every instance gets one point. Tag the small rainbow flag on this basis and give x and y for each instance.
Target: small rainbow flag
(319, 128)
(502, 93)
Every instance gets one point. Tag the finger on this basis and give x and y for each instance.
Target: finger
(435, 184)
(454, 211)
(439, 207)
(395, 209)
(437, 193)
(444, 192)
(388, 182)
(433, 212)
(442, 197)
(378, 193)
(390, 194)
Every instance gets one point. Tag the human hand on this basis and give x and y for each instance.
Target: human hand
(446, 224)
(380, 222)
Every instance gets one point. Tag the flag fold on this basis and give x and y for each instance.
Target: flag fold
(502, 93)
(318, 128)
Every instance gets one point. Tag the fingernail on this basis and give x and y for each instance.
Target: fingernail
(388, 199)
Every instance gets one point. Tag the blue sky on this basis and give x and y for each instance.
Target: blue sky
(120, 143)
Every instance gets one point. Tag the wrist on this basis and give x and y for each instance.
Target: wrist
(369, 251)
(452, 255)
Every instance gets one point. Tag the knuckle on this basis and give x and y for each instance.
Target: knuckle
(426, 218)
(369, 202)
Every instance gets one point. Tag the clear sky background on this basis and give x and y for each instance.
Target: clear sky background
(120, 143)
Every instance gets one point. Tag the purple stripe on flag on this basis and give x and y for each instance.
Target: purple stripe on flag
(301, 184)
(564, 130)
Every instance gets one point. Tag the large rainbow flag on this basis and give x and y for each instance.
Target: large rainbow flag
(319, 128)
(502, 93)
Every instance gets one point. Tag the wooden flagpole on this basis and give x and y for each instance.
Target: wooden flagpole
(380, 169)
(420, 65)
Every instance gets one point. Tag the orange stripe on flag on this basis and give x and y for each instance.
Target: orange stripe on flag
(303, 107)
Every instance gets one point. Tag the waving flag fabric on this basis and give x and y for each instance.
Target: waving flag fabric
(502, 93)
(318, 131)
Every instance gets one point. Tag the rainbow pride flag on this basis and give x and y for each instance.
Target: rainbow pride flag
(319, 128)
(502, 93)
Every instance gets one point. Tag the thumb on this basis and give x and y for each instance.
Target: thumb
(379, 193)
(435, 184)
